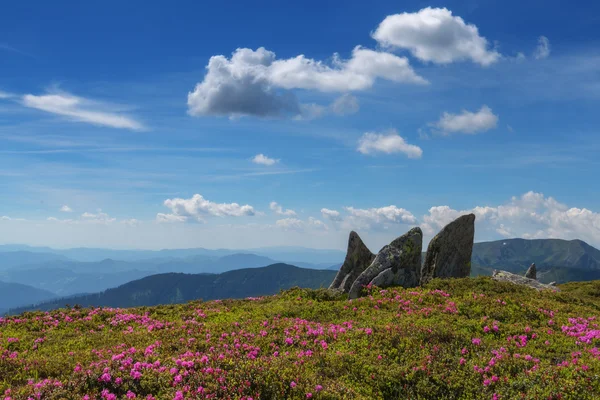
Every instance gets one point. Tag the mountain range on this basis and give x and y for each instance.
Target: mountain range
(179, 288)
(51, 273)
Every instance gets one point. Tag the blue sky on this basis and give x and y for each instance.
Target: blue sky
(372, 116)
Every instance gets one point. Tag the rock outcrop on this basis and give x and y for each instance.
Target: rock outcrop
(358, 258)
(449, 252)
(397, 264)
(531, 272)
(505, 276)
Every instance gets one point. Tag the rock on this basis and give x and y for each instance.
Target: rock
(387, 257)
(505, 276)
(397, 264)
(531, 272)
(449, 252)
(358, 258)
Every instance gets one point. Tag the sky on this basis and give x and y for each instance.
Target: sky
(145, 125)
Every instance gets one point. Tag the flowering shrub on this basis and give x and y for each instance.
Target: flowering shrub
(453, 339)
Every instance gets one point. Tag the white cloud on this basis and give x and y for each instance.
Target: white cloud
(331, 215)
(66, 208)
(290, 224)
(130, 222)
(5, 218)
(532, 215)
(264, 160)
(277, 209)
(378, 218)
(98, 217)
(388, 143)
(434, 34)
(254, 82)
(543, 48)
(299, 225)
(167, 218)
(357, 73)
(80, 109)
(86, 218)
(198, 208)
(467, 122)
(317, 224)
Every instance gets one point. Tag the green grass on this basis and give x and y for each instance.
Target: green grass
(452, 339)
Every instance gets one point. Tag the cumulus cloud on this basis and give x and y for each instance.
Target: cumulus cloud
(532, 215)
(277, 209)
(5, 218)
(130, 222)
(264, 160)
(66, 208)
(378, 218)
(434, 34)
(543, 48)
(331, 215)
(80, 109)
(392, 142)
(467, 122)
(197, 208)
(254, 82)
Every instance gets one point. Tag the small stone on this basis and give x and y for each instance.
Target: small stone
(521, 280)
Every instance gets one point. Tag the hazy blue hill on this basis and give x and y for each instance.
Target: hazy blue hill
(11, 259)
(66, 282)
(178, 288)
(516, 255)
(16, 295)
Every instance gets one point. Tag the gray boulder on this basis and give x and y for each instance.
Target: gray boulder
(531, 272)
(358, 258)
(504, 276)
(397, 264)
(449, 252)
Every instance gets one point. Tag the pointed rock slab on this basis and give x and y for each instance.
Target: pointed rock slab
(397, 264)
(531, 272)
(449, 252)
(505, 276)
(358, 258)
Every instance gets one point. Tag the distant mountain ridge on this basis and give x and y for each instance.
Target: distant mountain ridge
(284, 254)
(16, 294)
(517, 254)
(177, 287)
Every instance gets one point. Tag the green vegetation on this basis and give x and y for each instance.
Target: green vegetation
(452, 339)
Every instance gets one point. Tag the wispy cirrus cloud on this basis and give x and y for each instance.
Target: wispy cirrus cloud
(81, 109)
